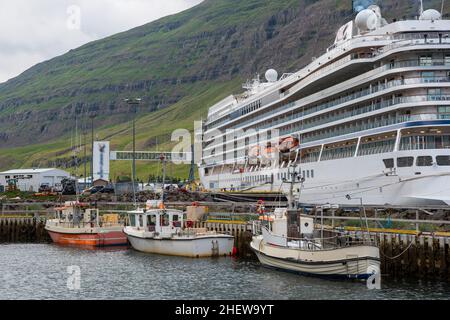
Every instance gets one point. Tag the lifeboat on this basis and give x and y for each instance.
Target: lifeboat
(288, 147)
(288, 144)
(270, 153)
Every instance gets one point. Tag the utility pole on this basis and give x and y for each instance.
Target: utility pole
(134, 102)
(163, 160)
(85, 155)
(92, 146)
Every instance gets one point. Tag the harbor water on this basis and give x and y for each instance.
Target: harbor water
(45, 271)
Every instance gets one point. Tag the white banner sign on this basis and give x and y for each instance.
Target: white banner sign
(101, 160)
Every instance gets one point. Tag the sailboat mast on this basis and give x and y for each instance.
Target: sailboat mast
(163, 159)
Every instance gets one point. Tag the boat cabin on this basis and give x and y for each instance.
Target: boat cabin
(77, 214)
(290, 223)
(158, 221)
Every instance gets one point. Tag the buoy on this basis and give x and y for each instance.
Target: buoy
(234, 252)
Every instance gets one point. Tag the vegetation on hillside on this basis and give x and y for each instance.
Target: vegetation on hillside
(180, 65)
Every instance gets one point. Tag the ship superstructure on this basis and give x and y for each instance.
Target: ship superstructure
(368, 121)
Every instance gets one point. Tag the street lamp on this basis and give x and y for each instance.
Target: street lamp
(134, 102)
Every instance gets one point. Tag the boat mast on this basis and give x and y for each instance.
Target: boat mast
(163, 160)
(293, 175)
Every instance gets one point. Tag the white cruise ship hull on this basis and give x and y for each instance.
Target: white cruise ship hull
(193, 247)
(357, 262)
(363, 179)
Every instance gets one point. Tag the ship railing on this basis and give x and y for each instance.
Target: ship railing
(256, 228)
(340, 240)
(82, 224)
(350, 97)
(372, 125)
(403, 40)
(414, 41)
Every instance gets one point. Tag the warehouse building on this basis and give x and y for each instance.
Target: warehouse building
(32, 179)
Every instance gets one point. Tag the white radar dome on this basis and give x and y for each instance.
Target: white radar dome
(430, 14)
(271, 75)
(366, 20)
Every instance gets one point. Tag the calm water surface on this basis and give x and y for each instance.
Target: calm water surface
(30, 271)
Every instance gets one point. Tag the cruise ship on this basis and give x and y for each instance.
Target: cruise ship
(366, 122)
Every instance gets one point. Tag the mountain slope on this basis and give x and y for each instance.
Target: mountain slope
(179, 65)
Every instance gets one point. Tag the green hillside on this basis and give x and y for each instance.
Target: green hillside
(179, 65)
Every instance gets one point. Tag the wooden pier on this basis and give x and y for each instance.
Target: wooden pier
(422, 256)
(23, 230)
(242, 233)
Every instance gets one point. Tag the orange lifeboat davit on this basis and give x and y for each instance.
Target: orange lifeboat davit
(254, 154)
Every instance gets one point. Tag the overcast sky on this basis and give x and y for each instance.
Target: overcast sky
(32, 31)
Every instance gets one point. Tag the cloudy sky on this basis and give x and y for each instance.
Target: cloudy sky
(37, 30)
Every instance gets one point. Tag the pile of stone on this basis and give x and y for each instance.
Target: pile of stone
(143, 196)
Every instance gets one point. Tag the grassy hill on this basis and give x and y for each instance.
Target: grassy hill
(179, 65)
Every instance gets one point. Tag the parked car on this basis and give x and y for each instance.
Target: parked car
(68, 186)
(107, 189)
(45, 187)
(92, 190)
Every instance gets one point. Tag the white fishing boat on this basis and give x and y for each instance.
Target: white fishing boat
(164, 231)
(287, 240)
(78, 224)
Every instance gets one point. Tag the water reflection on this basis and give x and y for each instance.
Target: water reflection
(40, 272)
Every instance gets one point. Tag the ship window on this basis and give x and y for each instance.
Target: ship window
(132, 220)
(426, 61)
(141, 223)
(443, 160)
(153, 220)
(428, 76)
(307, 174)
(165, 220)
(389, 163)
(292, 219)
(424, 161)
(436, 91)
(447, 60)
(312, 173)
(175, 218)
(405, 162)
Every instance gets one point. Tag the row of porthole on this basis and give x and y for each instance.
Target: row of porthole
(421, 161)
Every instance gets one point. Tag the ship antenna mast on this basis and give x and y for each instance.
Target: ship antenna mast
(442, 7)
(421, 7)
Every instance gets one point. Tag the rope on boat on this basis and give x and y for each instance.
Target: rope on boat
(397, 256)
